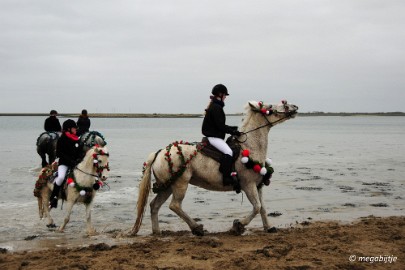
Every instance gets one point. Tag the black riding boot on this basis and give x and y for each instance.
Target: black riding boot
(226, 169)
(53, 201)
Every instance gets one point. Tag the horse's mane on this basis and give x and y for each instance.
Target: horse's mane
(248, 114)
(88, 158)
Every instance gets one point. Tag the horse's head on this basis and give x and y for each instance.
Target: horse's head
(276, 113)
(99, 156)
(91, 138)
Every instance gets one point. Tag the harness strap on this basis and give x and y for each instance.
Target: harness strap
(262, 126)
(76, 168)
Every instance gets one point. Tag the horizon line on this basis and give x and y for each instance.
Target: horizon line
(192, 115)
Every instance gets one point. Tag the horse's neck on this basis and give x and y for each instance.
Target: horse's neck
(257, 140)
(87, 171)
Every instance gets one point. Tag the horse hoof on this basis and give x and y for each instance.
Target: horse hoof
(51, 225)
(237, 228)
(271, 230)
(92, 233)
(199, 230)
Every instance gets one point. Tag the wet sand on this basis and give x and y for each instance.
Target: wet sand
(370, 242)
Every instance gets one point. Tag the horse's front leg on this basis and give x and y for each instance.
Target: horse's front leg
(69, 208)
(179, 190)
(155, 205)
(89, 224)
(253, 195)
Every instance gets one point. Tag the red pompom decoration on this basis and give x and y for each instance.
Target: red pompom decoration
(264, 111)
(69, 181)
(245, 153)
(257, 168)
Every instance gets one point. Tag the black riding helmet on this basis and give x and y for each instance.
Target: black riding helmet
(219, 89)
(68, 124)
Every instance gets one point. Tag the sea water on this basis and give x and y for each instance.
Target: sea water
(326, 168)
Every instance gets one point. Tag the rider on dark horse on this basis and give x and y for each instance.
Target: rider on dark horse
(214, 128)
(69, 151)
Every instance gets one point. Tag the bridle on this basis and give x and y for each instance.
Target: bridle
(99, 169)
(269, 111)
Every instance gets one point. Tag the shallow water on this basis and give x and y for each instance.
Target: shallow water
(338, 168)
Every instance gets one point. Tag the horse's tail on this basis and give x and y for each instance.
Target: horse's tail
(144, 190)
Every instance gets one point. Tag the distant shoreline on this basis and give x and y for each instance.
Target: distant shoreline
(185, 115)
(111, 115)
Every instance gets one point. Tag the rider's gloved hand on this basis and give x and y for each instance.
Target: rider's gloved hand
(236, 133)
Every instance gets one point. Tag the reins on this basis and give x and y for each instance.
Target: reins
(265, 125)
(99, 169)
(76, 168)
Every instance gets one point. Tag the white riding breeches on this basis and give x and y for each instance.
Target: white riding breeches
(221, 145)
(62, 169)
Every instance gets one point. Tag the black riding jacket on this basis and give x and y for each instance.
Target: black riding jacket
(83, 125)
(214, 121)
(52, 124)
(69, 151)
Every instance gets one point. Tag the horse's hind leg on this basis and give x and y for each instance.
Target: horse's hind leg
(51, 158)
(40, 207)
(179, 190)
(43, 158)
(155, 205)
(45, 207)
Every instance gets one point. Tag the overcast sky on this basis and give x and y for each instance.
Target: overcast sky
(165, 56)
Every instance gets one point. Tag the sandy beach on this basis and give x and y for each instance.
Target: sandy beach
(370, 242)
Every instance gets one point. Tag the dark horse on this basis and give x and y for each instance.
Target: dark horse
(46, 144)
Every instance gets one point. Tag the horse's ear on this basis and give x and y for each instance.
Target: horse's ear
(254, 105)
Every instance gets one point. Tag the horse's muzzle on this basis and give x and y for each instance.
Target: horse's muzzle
(293, 112)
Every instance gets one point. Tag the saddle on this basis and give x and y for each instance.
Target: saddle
(210, 151)
(53, 135)
(48, 175)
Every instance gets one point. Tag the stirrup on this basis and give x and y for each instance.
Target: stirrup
(236, 184)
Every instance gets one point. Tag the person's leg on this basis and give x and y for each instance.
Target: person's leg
(53, 202)
(221, 145)
(62, 169)
(226, 162)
